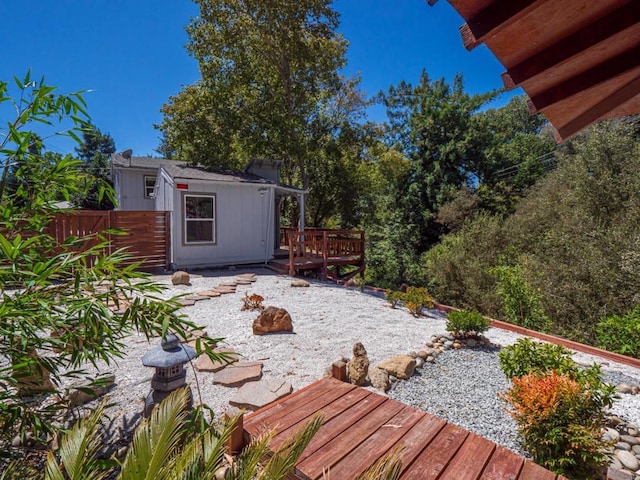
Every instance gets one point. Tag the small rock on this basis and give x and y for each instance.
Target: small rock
(419, 362)
(612, 434)
(471, 342)
(615, 420)
(636, 449)
(379, 379)
(622, 446)
(423, 354)
(222, 473)
(412, 354)
(615, 463)
(428, 344)
(623, 388)
(448, 337)
(271, 320)
(122, 452)
(628, 460)
(635, 389)
(457, 345)
(84, 392)
(631, 440)
(430, 359)
(358, 366)
(401, 366)
(299, 283)
(180, 278)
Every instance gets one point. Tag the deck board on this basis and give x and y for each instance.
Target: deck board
(361, 426)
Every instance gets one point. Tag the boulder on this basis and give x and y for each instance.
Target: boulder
(379, 379)
(180, 278)
(299, 283)
(400, 366)
(358, 366)
(255, 395)
(271, 320)
(628, 460)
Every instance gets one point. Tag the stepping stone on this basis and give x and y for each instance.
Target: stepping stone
(204, 363)
(185, 302)
(197, 298)
(247, 275)
(228, 284)
(225, 289)
(242, 281)
(238, 374)
(209, 293)
(255, 395)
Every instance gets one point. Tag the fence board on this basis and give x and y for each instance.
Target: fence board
(146, 235)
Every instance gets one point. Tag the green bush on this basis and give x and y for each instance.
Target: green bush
(415, 299)
(521, 302)
(528, 356)
(467, 322)
(560, 419)
(621, 334)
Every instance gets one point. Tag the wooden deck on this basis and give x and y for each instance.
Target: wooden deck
(361, 426)
(323, 251)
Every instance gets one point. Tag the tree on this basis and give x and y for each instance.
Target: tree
(67, 289)
(95, 150)
(269, 70)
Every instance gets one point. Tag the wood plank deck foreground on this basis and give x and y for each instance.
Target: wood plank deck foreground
(361, 426)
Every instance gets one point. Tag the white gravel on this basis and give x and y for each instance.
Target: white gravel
(327, 321)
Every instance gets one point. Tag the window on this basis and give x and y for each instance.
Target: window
(149, 186)
(199, 218)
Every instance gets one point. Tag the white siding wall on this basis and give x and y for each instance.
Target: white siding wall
(242, 218)
(131, 190)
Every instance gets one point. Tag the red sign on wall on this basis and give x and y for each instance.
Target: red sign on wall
(182, 186)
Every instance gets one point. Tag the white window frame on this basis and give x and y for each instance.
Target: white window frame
(189, 219)
(149, 190)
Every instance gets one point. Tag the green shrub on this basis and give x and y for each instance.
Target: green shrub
(415, 299)
(522, 303)
(560, 419)
(527, 356)
(467, 322)
(621, 334)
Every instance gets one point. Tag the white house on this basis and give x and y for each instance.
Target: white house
(216, 218)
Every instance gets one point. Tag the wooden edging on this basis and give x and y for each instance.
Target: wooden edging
(580, 347)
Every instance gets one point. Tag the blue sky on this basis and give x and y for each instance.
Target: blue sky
(131, 55)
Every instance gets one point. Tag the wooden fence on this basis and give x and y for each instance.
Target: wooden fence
(145, 236)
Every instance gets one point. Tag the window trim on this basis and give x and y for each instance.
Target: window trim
(146, 187)
(185, 220)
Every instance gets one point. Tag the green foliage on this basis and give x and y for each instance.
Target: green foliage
(72, 288)
(521, 303)
(560, 420)
(414, 298)
(528, 356)
(458, 267)
(621, 333)
(467, 323)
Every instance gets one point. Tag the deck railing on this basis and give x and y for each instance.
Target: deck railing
(334, 247)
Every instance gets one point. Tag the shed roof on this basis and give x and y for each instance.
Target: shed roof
(184, 171)
(577, 60)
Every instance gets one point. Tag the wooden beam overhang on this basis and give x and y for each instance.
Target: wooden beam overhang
(497, 15)
(602, 72)
(600, 109)
(616, 22)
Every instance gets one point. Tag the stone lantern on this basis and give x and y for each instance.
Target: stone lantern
(168, 359)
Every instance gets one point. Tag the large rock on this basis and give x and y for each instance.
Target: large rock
(379, 379)
(180, 278)
(358, 366)
(84, 392)
(255, 395)
(204, 363)
(628, 459)
(299, 283)
(400, 366)
(271, 320)
(238, 374)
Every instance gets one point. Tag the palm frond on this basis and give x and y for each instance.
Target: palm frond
(16, 470)
(155, 441)
(77, 452)
(247, 463)
(388, 467)
(284, 459)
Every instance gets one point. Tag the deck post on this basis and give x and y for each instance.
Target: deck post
(292, 270)
(325, 256)
(339, 371)
(235, 442)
